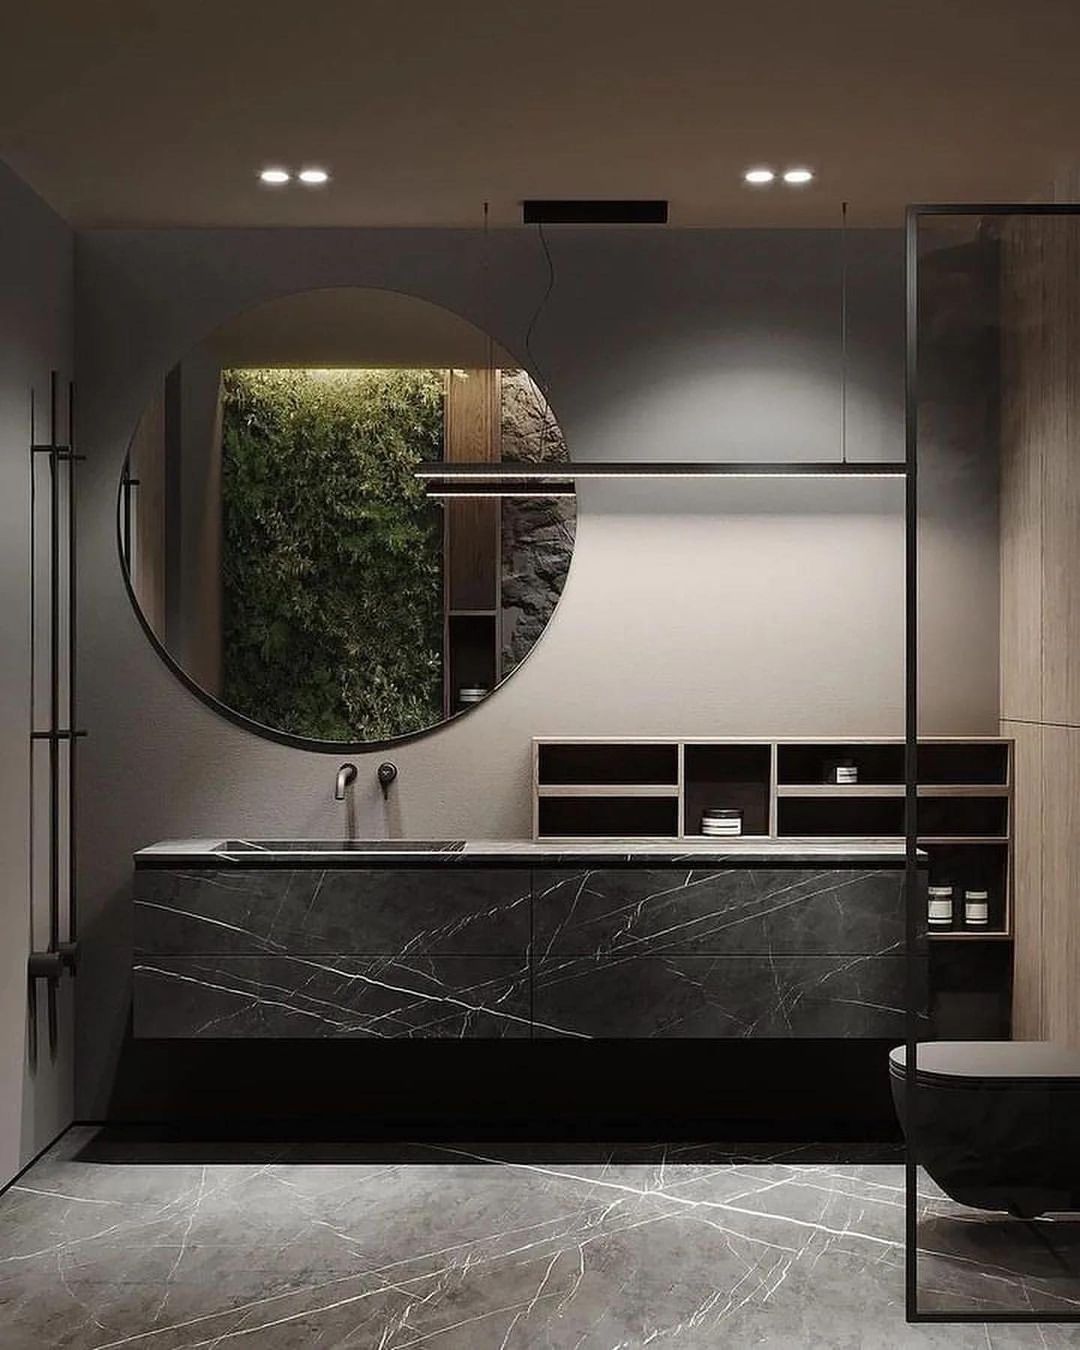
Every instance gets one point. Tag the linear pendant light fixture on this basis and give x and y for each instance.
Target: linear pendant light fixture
(508, 478)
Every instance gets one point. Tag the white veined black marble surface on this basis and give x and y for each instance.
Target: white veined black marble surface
(453, 853)
(114, 1241)
(690, 952)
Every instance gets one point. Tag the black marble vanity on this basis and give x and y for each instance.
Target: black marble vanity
(515, 940)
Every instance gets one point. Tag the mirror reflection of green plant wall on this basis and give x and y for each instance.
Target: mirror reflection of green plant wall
(331, 551)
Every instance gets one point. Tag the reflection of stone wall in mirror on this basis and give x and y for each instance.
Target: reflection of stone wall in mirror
(537, 532)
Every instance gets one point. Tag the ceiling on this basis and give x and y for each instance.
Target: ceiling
(141, 112)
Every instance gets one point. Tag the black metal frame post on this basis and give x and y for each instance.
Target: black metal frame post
(911, 774)
(914, 917)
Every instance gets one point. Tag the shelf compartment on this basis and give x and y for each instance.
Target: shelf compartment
(968, 866)
(877, 763)
(947, 817)
(633, 763)
(964, 762)
(625, 817)
(734, 777)
(840, 818)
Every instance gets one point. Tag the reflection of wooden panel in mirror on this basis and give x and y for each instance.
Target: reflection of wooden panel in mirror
(472, 526)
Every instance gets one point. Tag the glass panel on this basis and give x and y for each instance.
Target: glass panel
(993, 1111)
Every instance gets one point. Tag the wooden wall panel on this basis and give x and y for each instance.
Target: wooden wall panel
(1028, 421)
(1061, 883)
(1061, 492)
(1040, 612)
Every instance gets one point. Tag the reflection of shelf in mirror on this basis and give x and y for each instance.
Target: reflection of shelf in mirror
(471, 613)
(608, 790)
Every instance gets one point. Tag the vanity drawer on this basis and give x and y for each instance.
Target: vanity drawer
(290, 998)
(392, 911)
(721, 997)
(629, 912)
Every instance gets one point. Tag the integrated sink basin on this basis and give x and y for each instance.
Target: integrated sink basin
(306, 853)
(230, 847)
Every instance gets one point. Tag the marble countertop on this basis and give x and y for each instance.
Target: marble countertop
(521, 852)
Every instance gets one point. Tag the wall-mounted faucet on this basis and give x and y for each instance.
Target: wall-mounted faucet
(345, 775)
(387, 774)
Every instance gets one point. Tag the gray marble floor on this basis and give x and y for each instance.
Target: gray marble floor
(113, 1242)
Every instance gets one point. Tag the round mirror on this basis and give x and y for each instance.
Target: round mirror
(280, 548)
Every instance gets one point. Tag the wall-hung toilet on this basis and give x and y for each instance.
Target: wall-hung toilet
(996, 1123)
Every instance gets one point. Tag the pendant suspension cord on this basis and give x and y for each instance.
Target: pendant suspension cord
(843, 331)
(485, 302)
(541, 380)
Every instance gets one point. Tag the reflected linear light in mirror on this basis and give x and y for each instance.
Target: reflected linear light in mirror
(508, 479)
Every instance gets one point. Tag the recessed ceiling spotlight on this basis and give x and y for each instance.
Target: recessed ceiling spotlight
(275, 177)
(796, 177)
(313, 177)
(758, 177)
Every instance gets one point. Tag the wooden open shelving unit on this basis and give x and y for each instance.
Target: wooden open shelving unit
(655, 788)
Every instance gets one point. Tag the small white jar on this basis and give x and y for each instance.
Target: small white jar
(976, 909)
(719, 821)
(940, 906)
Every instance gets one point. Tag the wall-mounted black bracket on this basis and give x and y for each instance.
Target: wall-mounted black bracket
(45, 966)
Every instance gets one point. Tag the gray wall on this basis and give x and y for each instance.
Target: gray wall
(36, 1073)
(722, 608)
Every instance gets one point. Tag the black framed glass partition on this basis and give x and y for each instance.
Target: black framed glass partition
(989, 1081)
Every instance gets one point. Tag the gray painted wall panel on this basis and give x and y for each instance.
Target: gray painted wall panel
(36, 1079)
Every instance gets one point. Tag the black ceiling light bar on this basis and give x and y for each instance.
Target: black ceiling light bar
(596, 212)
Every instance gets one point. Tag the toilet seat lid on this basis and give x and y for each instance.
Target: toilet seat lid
(1032, 1063)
